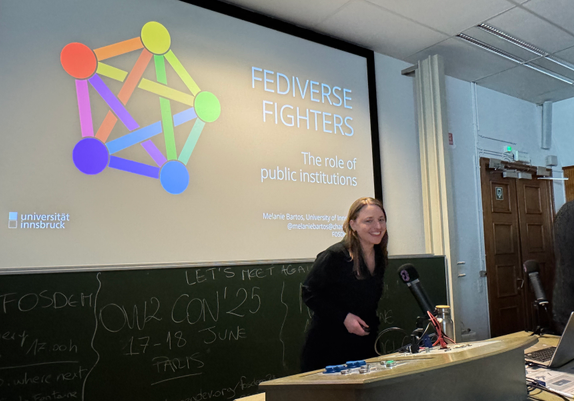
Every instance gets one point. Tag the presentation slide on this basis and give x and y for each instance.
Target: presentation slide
(149, 132)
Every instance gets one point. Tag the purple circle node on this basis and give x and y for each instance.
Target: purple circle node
(174, 177)
(90, 156)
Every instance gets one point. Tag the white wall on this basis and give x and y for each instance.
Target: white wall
(518, 121)
(515, 121)
(400, 161)
(472, 308)
(563, 143)
(482, 122)
(563, 131)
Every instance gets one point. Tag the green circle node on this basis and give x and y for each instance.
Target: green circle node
(207, 107)
(155, 38)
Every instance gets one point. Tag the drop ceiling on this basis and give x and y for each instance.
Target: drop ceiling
(411, 30)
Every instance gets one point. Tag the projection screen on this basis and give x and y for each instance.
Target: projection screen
(158, 132)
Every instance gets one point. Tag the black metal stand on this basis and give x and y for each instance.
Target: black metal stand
(417, 333)
(541, 329)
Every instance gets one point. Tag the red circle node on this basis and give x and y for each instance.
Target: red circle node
(78, 60)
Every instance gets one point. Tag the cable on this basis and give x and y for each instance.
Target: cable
(442, 337)
(426, 329)
(387, 330)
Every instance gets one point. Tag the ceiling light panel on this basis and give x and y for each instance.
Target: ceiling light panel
(525, 45)
(534, 29)
(501, 44)
(490, 48)
(555, 70)
(512, 39)
(566, 55)
(552, 66)
(549, 73)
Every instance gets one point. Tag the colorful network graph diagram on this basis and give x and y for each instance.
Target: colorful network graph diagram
(93, 153)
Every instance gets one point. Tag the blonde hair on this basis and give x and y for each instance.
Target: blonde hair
(351, 239)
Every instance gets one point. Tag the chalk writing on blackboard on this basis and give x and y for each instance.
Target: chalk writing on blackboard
(164, 335)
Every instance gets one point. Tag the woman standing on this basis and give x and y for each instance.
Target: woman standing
(343, 290)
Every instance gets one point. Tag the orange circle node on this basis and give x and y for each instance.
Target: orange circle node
(78, 60)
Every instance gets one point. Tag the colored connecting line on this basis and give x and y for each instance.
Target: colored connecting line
(93, 153)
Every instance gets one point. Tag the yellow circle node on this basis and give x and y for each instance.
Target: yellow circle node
(155, 37)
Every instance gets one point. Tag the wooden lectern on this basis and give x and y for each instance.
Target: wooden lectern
(490, 370)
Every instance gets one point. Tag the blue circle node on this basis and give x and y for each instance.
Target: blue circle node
(174, 177)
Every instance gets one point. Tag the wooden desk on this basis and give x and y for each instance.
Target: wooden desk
(542, 340)
(536, 395)
(516, 341)
(490, 370)
(256, 397)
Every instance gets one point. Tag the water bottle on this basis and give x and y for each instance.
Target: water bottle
(445, 321)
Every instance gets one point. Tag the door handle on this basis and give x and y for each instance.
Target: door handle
(521, 281)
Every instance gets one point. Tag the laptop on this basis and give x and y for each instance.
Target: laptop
(554, 357)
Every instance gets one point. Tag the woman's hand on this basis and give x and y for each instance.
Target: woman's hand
(355, 325)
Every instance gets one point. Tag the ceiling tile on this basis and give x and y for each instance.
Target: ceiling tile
(532, 28)
(559, 13)
(566, 55)
(447, 16)
(414, 29)
(298, 12)
(465, 61)
(370, 26)
(553, 67)
(554, 96)
(522, 82)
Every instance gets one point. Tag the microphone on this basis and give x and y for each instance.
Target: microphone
(409, 275)
(532, 268)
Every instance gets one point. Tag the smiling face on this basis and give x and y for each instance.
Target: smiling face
(370, 226)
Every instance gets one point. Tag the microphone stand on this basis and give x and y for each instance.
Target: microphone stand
(416, 335)
(541, 330)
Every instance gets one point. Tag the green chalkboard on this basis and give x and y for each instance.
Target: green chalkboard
(193, 334)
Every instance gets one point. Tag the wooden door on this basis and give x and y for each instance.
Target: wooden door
(517, 227)
(535, 212)
(505, 279)
(569, 183)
